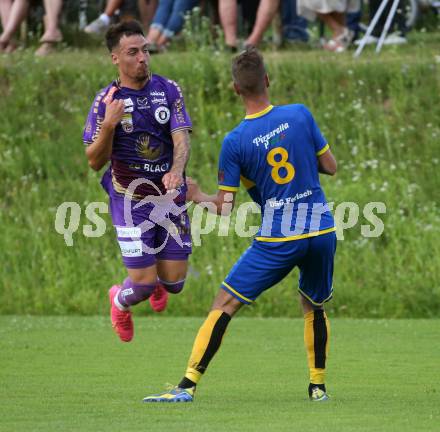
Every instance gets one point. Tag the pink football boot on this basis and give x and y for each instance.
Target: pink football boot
(159, 298)
(121, 320)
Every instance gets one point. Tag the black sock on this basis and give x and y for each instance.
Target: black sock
(186, 383)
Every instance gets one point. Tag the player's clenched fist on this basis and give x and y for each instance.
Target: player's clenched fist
(114, 109)
(172, 180)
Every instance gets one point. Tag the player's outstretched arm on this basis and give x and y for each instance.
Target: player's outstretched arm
(174, 178)
(327, 163)
(222, 203)
(98, 153)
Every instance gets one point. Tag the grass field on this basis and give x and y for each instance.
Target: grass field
(72, 374)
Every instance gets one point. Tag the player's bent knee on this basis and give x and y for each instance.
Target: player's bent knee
(307, 305)
(173, 287)
(143, 276)
(227, 303)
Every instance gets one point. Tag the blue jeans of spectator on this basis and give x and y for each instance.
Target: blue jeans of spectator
(294, 26)
(169, 16)
(352, 21)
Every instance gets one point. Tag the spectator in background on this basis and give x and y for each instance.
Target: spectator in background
(16, 13)
(353, 21)
(147, 8)
(398, 23)
(12, 15)
(52, 34)
(167, 22)
(266, 11)
(294, 26)
(228, 13)
(228, 17)
(332, 13)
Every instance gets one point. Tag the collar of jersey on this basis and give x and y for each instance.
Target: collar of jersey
(259, 114)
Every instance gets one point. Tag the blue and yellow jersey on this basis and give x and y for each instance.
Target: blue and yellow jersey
(274, 154)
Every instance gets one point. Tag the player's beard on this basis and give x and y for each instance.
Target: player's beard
(142, 74)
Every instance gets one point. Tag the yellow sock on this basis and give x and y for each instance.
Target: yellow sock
(316, 339)
(206, 344)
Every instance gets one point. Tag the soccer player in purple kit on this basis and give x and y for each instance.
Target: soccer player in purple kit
(139, 123)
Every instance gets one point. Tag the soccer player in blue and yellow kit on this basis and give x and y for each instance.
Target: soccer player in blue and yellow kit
(277, 152)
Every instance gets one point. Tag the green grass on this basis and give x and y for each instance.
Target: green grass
(380, 115)
(72, 374)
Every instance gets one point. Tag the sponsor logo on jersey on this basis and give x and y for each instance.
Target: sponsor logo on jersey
(272, 137)
(142, 102)
(128, 232)
(158, 101)
(99, 121)
(150, 167)
(162, 114)
(273, 203)
(127, 123)
(157, 93)
(129, 106)
(131, 249)
(176, 86)
(178, 111)
(145, 150)
(156, 168)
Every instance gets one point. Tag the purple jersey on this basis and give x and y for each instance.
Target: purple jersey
(142, 144)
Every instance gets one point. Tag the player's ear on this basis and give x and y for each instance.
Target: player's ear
(266, 80)
(236, 88)
(115, 58)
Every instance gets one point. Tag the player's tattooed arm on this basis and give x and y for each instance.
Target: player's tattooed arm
(221, 203)
(99, 152)
(181, 142)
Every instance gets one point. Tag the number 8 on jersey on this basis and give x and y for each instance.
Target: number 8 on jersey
(282, 163)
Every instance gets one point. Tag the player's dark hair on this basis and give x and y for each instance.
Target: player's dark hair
(115, 32)
(248, 72)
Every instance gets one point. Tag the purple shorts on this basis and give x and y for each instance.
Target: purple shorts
(149, 231)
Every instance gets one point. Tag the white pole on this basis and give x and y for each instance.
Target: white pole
(387, 25)
(370, 28)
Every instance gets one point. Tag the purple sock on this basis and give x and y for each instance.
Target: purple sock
(132, 293)
(173, 287)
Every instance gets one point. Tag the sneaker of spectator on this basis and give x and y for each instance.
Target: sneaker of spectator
(102, 23)
(340, 43)
(395, 39)
(99, 25)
